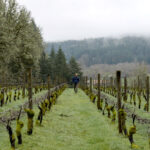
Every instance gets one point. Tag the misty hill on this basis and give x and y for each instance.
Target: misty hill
(106, 50)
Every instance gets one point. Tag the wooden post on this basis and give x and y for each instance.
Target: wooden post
(115, 83)
(48, 86)
(111, 85)
(3, 88)
(118, 77)
(147, 92)
(86, 81)
(24, 84)
(98, 99)
(30, 87)
(91, 84)
(138, 88)
(139, 85)
(111, 82)
(125, 88)
(104, 84)
(3, 79)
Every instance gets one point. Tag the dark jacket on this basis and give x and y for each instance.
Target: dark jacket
(75, 80)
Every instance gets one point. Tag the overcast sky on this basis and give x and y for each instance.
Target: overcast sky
(79, 19)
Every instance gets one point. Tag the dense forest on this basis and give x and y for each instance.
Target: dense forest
(106, 50)
(22, 47)
(21, 42)
(55, 64)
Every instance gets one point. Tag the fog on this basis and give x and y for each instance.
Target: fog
(80, 19)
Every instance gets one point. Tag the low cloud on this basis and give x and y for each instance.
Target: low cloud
(78, 19)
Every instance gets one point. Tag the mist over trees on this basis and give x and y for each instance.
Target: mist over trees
(106, 50)
(128, 69)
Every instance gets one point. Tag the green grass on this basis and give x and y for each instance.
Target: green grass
(140, 112)
(141, 137)
(15, 104)
(81, 127)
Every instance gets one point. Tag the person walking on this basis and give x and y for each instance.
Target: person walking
(75, 81)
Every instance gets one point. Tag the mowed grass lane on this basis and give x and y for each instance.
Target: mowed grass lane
(73, 123)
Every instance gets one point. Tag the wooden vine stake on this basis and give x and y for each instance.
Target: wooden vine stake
(147, 92)
(98, 88)
(91, 84)
(3, 80)
(24, 84)
(104, 84)
(48, 86)
(30, 87)
(86, 81)
(125, 89)
(118, 77)
(138, 88)
(111, 84)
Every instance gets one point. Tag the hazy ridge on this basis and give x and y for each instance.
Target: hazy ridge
(106, 50)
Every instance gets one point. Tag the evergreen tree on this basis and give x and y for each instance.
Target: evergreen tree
(74, 67)
(43, 62)
(52, 58)
(61, 66)
(56, 66)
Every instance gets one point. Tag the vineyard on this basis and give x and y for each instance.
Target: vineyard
(125, 104)
(90, 94)
(16, 101)
(59, 118)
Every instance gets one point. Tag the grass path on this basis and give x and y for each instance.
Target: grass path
(74, 123)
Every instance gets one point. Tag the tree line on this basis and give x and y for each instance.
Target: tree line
(21, 42)
(106, 50)
(56, 65)
(22, 46)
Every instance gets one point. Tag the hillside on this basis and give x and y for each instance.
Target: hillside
(106, 50)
